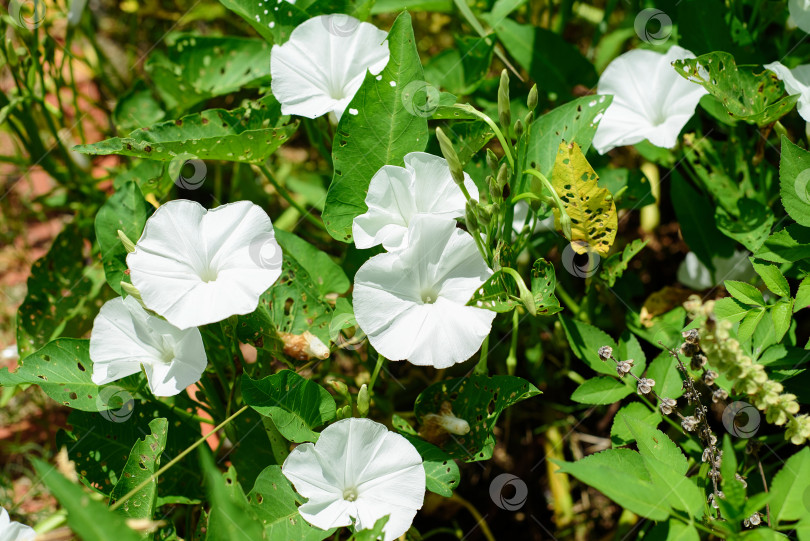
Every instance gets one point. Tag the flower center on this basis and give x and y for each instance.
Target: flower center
(167, 355)
(350, 494)
(429, 296)
(208, 275)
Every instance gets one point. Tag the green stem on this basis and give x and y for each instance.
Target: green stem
(377, 367)
(481, 367)
(175, 460)
(511, 360)
(286, 195)
(506, 147)
(567, 299)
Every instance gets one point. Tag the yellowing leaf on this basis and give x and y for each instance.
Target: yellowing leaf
(591, 208)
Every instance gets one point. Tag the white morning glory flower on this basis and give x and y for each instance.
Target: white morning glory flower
(397, 194)
(412, 303)
(14, 531)
(195, 266)
(800, 14)
(126, 337)
(321, 67)
(650, 99)
(695, 275)
(797, 81)
(358, 470)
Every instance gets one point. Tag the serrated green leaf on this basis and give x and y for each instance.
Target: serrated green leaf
(731, 309)
(790, 487)
(802, 295)
(88, 518)
(124, 211)
(773, 278)
(585, 341)
(600, 390)
(296, 405)
(655, 444)
(749, 93)
(789, 245)
(246, 135)
(745, 293)
(674, 530)
(479, 400)
(620, 433)
(382, 132)
(143, 462)
(620, 475)
(749, 324)
(668, 380)
(782, 315)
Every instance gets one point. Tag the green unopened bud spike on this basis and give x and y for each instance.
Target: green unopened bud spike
(504, 107)
(518, 128)
(450, 155)
(363, 401)
(472, 219)
(531, 102)
(129, 246)
(132, 291)
(492, 161)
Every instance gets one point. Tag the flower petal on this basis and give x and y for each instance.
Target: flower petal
(321, 67)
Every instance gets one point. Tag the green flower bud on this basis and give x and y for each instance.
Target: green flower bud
(495, 191)
(531, 102)
(485, 214)
(518, 128)
(132, 291)
(492, 160)
(363, 401)
(472, 220)
(565, 224)
(11, 54)
(450, 155)
(504, 108)
(529, 118)
(129, 246)
(342, 390)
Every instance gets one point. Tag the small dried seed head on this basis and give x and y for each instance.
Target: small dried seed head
(720, 395)
(689, 423)
(667, 404)
(624, 367)
(709, 377)
(740, 478)
(692, 336)
(688, 349)
(645, 385)
(699, 360)
(605, 353)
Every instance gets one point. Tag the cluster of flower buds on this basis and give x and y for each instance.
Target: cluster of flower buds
(745, 375)
(753, 520)
(644, 385)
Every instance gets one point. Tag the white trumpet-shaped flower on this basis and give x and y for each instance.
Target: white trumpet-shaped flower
(195, 266)
(397, 194)
(412, 303)
(126, 337)
(800, 14)
(321, 67)
(797, 81)
(650, 99)
(14, 531)
(358, 470)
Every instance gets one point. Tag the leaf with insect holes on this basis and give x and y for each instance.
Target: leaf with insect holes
(125, 210)
(296, 405)
(143, 462)
(594, 220)
(500, 292)
(248, 134)
(749, 93)
(479, 400)
(441, 471)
